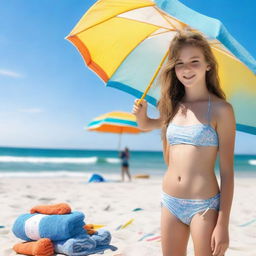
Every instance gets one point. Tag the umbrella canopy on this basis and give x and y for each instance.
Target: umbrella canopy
(125, 42)
(115, 122)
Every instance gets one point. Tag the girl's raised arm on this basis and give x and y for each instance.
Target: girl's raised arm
(144, 122)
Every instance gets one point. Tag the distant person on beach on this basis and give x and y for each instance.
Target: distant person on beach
(125, 156)
(197, 124)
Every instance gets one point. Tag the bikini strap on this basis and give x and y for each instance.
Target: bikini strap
(209, 108)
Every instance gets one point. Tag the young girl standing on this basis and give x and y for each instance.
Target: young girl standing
(197, 124)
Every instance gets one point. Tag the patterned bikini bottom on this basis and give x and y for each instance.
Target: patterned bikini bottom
(185, 209)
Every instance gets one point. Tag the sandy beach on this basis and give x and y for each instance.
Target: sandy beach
(112, 204)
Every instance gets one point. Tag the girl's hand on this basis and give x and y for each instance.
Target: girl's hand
(219, 240)
(141, 109)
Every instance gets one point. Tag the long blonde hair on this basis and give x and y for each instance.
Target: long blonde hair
(172, 90)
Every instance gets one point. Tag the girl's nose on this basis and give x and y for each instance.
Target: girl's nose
(187, 66)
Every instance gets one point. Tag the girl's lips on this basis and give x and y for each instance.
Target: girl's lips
(188, 77)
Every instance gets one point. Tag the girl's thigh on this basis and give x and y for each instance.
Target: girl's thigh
(174, 234)
(201, 229)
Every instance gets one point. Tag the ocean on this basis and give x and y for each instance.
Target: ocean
(27, 162)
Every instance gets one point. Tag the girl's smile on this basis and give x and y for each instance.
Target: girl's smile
(186, 77)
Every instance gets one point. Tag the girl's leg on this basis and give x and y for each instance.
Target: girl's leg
(174, 233)
(201, 232)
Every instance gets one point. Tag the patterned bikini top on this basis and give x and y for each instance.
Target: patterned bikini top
(197, 134)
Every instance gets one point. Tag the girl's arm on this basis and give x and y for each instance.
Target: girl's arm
(144, 122)
(226, 129)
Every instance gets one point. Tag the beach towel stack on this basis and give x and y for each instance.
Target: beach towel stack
(55, 228)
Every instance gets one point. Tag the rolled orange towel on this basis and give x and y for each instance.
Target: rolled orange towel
(89, 229)
(88, 226)
(61, 208)
(42, 247)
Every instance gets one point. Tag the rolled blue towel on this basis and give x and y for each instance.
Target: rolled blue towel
(81, 244)
(102, 237)
(31, 227)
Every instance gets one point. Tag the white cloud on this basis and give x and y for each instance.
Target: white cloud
(31, 110)
(5, 72)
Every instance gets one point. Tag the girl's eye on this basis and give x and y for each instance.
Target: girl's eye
(194, 61)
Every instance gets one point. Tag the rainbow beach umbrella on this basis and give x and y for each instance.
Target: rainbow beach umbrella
(115, 122)
(125, 42)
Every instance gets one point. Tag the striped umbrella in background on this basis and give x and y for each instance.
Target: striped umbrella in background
(125, 42)
(115, 122)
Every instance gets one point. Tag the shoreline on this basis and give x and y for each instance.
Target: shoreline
(108, 175)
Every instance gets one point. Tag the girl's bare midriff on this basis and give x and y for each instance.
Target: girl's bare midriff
(190, 173)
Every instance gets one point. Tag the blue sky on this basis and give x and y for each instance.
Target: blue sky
(48, 95)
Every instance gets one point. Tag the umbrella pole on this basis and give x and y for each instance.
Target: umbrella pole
(119, 142)
(153, 78)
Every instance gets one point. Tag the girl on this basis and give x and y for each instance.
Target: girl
(197, 123)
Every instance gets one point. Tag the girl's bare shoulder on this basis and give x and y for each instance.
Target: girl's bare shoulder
(221, 107)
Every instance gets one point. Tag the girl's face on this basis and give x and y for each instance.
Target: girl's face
(191, 66)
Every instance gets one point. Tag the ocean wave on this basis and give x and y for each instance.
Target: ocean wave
(54, 160)
(58, 160)
(252, 162)
(113, 160)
